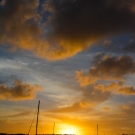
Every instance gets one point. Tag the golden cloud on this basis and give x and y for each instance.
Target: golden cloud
(20, 91)
(84, 79)
(126, 106)
(105, 108)
(117, 88)
(127, 90)
(111, 69)
(111, 87)
(78, 106)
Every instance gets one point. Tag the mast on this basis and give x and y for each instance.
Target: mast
(53, 128)
(37, 117)
(97, 129)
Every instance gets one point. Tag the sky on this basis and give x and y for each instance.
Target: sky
(77, 57)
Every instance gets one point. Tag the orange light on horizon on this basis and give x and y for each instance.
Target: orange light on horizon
(69, 129)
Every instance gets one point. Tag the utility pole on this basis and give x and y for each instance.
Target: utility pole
(37, 117)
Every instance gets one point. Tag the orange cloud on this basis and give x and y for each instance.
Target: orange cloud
(24, 113)
(84, 79)
(20, 91)
(128, 90)
(107, 67)
(117, 88)
(111, 87)
(105, 108)
(85, 104)
(126, 106)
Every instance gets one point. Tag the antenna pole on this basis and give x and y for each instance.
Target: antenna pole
(97, 129)
(53, 128)
(37, 117)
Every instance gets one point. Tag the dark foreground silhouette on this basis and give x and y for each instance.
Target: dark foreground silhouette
(34, 134)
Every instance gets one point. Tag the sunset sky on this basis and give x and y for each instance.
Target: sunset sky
(77, 57)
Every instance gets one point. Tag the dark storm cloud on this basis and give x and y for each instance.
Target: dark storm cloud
(130, 47)
(20, 91)
(79, 23)
(90, 20)
(70, 27)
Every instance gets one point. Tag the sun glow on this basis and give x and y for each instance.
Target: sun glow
(68, 129)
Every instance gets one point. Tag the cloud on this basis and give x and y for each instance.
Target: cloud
(78, 106)
(20, 25)
(107, 43)
(111, 87)
(20, 91)
(83, 22)
(111, 69)
(128, 90)
(126, 106)
(130, 47)
(17, 115)
(128, 110)
(84, 79)
(117, 88)
(105, 108)
(94, 96)
(15, 21)
(106, 67)
(66, 27)
(3, 2)
(73, 108)
(85, 104)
